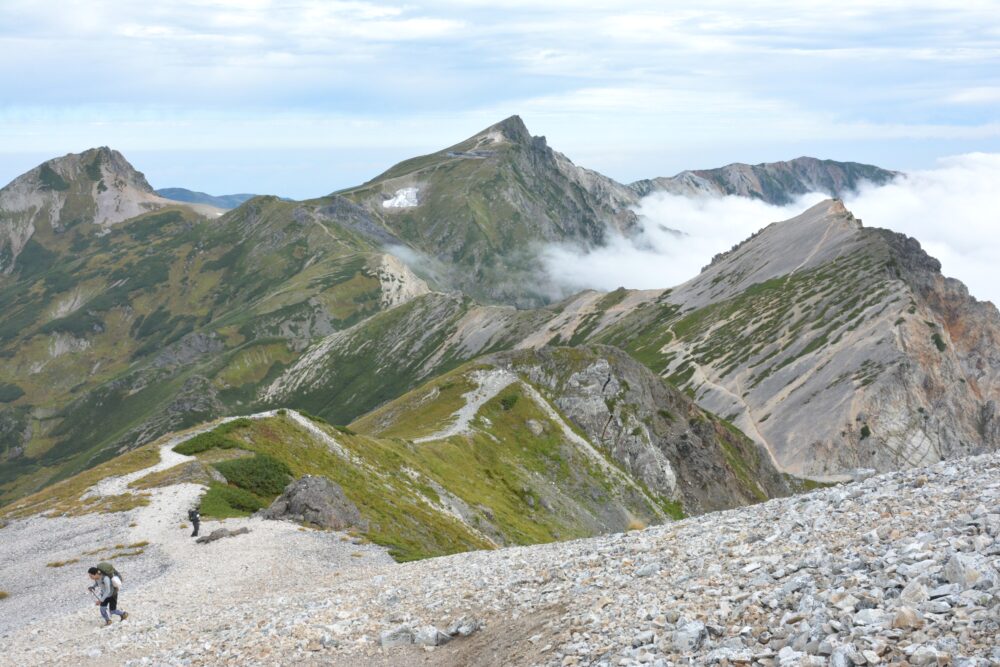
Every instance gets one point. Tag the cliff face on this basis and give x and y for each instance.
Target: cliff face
(652, 430)
(835, 346)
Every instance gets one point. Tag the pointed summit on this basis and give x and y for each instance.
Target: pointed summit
(510, 129)
(484, 206)
(98, 186)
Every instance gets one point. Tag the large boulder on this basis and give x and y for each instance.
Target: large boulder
(317, 501)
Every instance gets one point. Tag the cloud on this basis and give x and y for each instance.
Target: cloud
(637, 90)
(679, 236)
(953, 210)
(976, 95)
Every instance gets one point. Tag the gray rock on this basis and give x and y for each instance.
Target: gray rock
(689, 636)
(643, 638)
(967, 571)
(869, 617)
(463, 627)
(737, 655)
(318, 501)
(648, 570)
(220, 533)
(401, 635)
(430, 636)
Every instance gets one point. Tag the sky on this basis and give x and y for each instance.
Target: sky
(302, 97)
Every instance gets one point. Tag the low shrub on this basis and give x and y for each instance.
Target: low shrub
(262, 475)
(204, 442)
(10, 392)
(222, 501)
(508, 402)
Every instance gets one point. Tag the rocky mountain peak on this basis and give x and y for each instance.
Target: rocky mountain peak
(512, 130)
(98, 186)
(94, 165)
(820, 233)
(774, 182)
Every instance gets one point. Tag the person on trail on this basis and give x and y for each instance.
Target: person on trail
(105, 588)
(195, 519)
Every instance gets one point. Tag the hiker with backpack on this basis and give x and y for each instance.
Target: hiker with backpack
(107, 584)
(195, 518)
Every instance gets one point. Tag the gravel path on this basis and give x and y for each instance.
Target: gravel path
(490, 383)
(898, 569)
(172, 572)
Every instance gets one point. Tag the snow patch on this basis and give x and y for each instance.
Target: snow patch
(403, 198)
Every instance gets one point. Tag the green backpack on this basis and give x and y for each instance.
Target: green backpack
(109, 570)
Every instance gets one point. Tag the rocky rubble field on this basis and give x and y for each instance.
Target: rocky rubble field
(898, 569)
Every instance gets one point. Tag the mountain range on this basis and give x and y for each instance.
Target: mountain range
(410, 309)
(225, 202)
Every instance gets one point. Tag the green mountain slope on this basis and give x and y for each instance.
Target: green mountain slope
(481, 207)
(146, 316)
(515, 448)
(167, 319)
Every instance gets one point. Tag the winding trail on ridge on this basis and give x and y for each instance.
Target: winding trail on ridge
(166, 573)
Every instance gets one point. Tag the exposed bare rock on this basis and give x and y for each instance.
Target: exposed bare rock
(96, 187)
(317, 501)
(652, 430)
(399, 283)
(837, 347)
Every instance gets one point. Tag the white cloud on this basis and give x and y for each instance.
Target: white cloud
(976, 95)
(679, 236)
(953, 210)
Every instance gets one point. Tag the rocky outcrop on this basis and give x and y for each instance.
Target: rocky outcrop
(316, 501)
(399, 283)
(97, 187)
(656, 433)
(774, 182)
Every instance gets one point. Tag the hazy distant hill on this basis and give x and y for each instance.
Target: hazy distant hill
(773, 182)
(222, 201)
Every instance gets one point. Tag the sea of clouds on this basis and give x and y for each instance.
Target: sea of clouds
(952, 209)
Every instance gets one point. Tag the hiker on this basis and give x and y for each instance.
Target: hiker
(107, 583)
(195, 519)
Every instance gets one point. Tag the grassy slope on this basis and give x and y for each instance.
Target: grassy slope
(515, 486)
(482, 207)
(255, 280)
